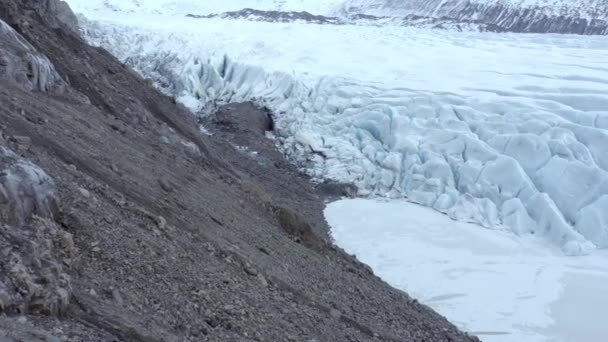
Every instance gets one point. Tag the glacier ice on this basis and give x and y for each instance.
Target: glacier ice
(20, 62)
(490, 281)
(521, 145)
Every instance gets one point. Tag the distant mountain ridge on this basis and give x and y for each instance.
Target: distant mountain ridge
(317, 7)
(529, 16)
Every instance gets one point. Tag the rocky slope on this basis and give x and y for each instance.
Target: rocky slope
(120, 221)
(532, 16)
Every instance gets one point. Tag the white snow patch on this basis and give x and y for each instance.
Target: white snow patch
(493, 283)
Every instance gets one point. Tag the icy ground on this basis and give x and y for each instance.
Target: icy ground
(488, 128)
(501, 287)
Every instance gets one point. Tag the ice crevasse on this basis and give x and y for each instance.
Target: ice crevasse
(536, 165)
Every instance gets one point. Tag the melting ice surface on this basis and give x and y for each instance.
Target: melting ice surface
(501, 287)
(496, 129)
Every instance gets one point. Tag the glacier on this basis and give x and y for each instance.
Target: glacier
(504, 130)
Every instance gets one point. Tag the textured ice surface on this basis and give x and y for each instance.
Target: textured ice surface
(493, 129)
(501, 287)
(21, 63)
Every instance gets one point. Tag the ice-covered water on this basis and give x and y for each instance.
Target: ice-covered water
(501, 287)
(494, 129)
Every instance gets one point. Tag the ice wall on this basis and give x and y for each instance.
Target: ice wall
(535, 165)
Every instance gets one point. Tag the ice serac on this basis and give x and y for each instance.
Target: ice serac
(528, 156)
(536, 16)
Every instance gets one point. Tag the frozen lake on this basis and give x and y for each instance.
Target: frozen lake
(500, 286)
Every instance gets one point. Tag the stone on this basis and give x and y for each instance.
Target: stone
(118, 126)
(257, 192)
(297, 227)
(84, 192)
(251, 271)
(335, 314)
(117, 297)
(262, 280)
(161, 222)
(115, 168)
(165, 185)
(23, 143)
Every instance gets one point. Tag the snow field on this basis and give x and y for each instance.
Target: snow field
(498, 286)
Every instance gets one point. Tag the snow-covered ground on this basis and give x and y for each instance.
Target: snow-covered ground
(502, 287)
